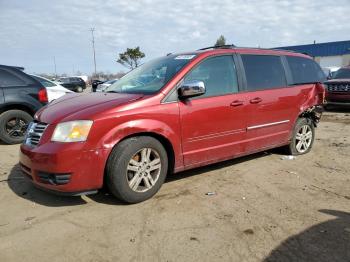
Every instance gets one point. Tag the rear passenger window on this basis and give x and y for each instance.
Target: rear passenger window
(305, 70)
(218, 74)
(8, 79)
(263, 72)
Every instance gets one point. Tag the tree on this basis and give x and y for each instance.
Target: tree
(220, 41)
(131, 57)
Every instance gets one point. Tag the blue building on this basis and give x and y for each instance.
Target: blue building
(331, 54)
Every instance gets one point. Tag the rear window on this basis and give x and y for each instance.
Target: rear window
(9, 78)
(305, 70)
(263, 72)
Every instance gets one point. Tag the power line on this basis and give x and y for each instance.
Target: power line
(93, 46)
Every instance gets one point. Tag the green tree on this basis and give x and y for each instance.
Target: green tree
(220, 41)
(131, 57)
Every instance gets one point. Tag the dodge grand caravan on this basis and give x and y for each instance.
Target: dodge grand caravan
(172, 114)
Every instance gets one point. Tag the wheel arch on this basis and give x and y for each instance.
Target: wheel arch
(313, 113)
(162, 139)
(22, 107)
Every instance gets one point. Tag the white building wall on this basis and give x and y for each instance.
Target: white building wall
(330, 61)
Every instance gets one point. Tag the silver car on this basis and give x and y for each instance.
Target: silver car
(102, 87)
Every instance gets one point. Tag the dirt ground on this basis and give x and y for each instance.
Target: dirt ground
(264, 209)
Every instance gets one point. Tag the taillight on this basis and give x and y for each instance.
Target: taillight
(43, 96)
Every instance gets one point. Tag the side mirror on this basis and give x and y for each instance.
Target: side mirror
(191, 89)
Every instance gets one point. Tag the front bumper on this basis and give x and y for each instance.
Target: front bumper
(64, 167)
(338, 98)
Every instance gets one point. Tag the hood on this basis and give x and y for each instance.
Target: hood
(82, 106)
(338, 81)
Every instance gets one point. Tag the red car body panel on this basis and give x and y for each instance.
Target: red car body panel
(200, 131)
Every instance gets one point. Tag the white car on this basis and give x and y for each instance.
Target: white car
(102, 87)
(53, 89)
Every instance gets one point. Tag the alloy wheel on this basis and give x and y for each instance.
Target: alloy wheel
(143, 170)
(303, 138)
(16, 127)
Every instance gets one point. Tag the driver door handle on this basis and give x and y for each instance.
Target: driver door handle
(255, 100)
(237, 103)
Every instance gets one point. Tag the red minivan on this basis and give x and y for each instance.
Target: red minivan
(171, 114)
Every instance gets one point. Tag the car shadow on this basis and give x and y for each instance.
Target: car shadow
(223, 164)
(24, 188)
(327, 241)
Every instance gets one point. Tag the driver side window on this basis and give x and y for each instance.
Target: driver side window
(218, 74)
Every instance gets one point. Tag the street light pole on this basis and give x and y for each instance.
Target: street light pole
(54, 62)
(93, 46)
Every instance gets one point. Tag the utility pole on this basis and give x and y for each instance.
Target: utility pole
(54, 62)
(93, 46)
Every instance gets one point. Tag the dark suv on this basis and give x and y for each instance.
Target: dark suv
(338, 88)
(172, 114)
(75, 84)
(20, 97)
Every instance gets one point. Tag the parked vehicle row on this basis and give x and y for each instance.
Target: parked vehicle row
(171, 114)
(54, 90)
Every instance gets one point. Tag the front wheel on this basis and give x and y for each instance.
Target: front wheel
(303, 137)
(79, 89)
(136, 169)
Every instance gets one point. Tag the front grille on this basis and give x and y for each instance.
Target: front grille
(34, 133)
(338, 87)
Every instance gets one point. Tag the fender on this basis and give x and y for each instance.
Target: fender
(135, 127)
(313, 105)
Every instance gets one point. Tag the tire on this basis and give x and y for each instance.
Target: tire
(13, 124)
(79, 89)
(129, 167)
(301, 142)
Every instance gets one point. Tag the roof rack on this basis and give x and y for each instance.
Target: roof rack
(218, 47)
(233, 46)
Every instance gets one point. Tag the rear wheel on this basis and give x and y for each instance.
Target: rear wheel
(136, 169)
(303, 137)
(13, 125)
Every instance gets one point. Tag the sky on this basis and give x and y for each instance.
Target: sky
(33, 32)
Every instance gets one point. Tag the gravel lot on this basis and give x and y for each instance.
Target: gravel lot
(264, 209)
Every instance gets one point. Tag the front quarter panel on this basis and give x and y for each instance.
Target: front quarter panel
(161, 119)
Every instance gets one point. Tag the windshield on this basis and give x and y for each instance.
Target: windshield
(342, 73)
(150, 77)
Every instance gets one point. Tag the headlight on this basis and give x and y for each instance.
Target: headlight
(73, 131)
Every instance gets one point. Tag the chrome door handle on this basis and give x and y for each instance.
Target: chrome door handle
(237, 103)
(255, 100)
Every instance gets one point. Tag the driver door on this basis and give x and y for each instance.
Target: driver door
(214, 124)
